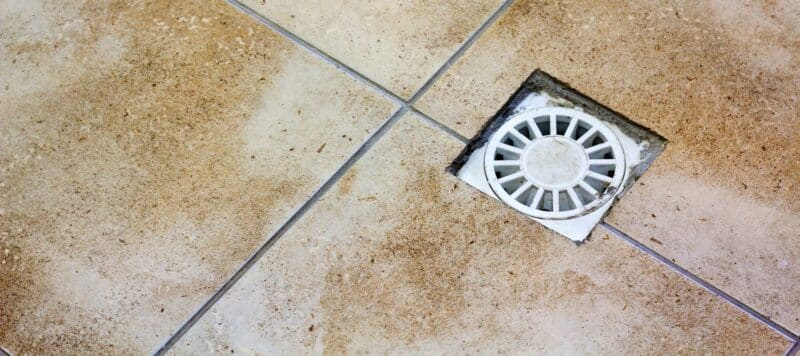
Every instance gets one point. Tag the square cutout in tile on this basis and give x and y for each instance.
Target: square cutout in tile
(557, 156)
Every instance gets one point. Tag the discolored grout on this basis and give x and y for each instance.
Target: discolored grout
(440, 126)
(794, 350)
(318, 52)
(704, 284)
(460, 51)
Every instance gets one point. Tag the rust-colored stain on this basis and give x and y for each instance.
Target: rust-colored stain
(345, 185)
(413, 278)
(126, 197)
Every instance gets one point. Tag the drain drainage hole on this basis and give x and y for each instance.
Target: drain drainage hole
(562, 124)
(598, 182)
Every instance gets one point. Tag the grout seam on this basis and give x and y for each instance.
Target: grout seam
(405, 106)
(471, 39)
(408, 106)
(440, 126)
(704, 284)
(794, 350)
(318, 52)
(460, 51)
(305, 207)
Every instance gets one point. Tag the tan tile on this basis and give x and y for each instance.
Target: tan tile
(717, 79)
(426, 263)
(399, 44)
(146, 149)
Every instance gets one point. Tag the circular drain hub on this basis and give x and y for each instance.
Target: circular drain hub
(554, 163)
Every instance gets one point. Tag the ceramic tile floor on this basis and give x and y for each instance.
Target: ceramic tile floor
(183, 175)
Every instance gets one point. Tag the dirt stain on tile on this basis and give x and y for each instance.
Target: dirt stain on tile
(430, 265)
(733, 239)
(345, 185)
(450, 266)
(455, 263)
(139, 151)
(410, 282)
(719, 80)
(457, 15)
(417, 283)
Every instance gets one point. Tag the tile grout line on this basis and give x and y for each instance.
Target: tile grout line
(440, 126)
(405, 106)
(318, 52)
(282, 229)
(460, 51)
(470, 40)
(794, 350)
(703, 283)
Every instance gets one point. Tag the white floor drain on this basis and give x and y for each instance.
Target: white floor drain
(557, 156)
(554, 163)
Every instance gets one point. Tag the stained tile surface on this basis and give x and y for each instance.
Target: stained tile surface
(428, 264)
(147, 148)
(718, 79)
(399, 44)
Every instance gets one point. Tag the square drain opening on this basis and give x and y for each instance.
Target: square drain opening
(557, 156)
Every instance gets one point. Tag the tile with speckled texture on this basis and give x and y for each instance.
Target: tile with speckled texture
(428, 264)
(146, 149)
(398, 44)
(718, 79)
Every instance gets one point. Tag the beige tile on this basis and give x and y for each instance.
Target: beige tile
(746, 246)
(399, 44)
(717, 79)
(146, 149)
(425, 263)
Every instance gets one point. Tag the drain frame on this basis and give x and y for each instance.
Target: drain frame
(540, 90)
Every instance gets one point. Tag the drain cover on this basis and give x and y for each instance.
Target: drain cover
(554, 163)
(557, 156)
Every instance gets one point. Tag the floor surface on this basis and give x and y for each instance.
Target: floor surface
(203, 177)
